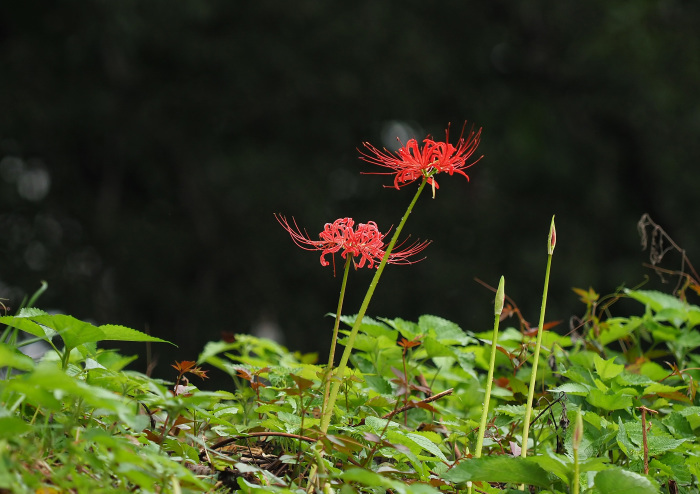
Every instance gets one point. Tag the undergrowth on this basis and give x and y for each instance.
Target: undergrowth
(406, 421)
(609, 405)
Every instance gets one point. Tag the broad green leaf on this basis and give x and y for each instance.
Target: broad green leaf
(10, 357)
(378, 425)
(616, 328)
(292, 422)
(369, 326)
(673, 465)
(607, 369)
(52, 381)
(73, 331)
(13, 426)
(578, 374)
(657, 300)
(373, 479)
(628, 379)
(113, 332)
(425, 443)
(31, 312)
(514, 470)
(618, 481)
(214, 348)
(446, 332)
(657, 442)
(408, 329)
(572, 389)
(688, 339)
(378, 383)
(661, 388)
(653, 371)
(687, 411)
(26, 325)
(608, 400)
(512, 410)
(630, 450)
(559, 465)
(435, 349)
(678, 425)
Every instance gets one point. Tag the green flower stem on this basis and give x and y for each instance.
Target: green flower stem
(576, 444)
(489, 380)
(538, 344)
(340, 371)
(331, 356)
(498, 310)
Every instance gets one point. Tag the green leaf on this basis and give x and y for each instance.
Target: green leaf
(559, 465)
(47, 384)
(608, 400)
(661, 388)
(572, 389)
(26, 325)
(113, 332)
(427, 444)
(31, 312)
(607, 369)
(73, 331)
(618, 481)
(369, 326)
(512, 410)
(630, 450)
(378, 383)
(444, 331)
(616, 328)
(11, 357)
(408, 329)
(373, 479)
(435, 349)
(213, 348)
(515, 470)
(13, 426)
(657, 300)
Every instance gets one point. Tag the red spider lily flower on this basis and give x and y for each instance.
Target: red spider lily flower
(365, 242)
(412, 162)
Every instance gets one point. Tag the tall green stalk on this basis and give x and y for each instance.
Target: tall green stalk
(551, 242)
(340, 371)
(498, 309)
(331, 357)
(575, 445)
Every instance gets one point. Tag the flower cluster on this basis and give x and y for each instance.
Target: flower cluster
(412, 162)
(364, 242)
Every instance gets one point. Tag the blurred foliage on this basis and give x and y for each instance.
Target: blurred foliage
(144, 147)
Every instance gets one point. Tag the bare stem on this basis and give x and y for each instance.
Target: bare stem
(331, 357)
(538, 345)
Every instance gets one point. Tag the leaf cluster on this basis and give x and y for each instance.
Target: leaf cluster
(406, 420)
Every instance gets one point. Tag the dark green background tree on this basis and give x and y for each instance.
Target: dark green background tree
(145, 146)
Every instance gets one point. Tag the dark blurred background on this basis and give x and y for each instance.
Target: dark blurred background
(145, 145)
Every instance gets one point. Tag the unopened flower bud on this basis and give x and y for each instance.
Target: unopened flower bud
(500, 297)
(552, 240)
(578, 431)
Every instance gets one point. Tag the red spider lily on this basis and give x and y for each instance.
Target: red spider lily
(365, 242)
(412, 162)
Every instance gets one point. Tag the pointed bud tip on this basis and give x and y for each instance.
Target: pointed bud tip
(500, 297)
(578, 431)
(552, 240)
